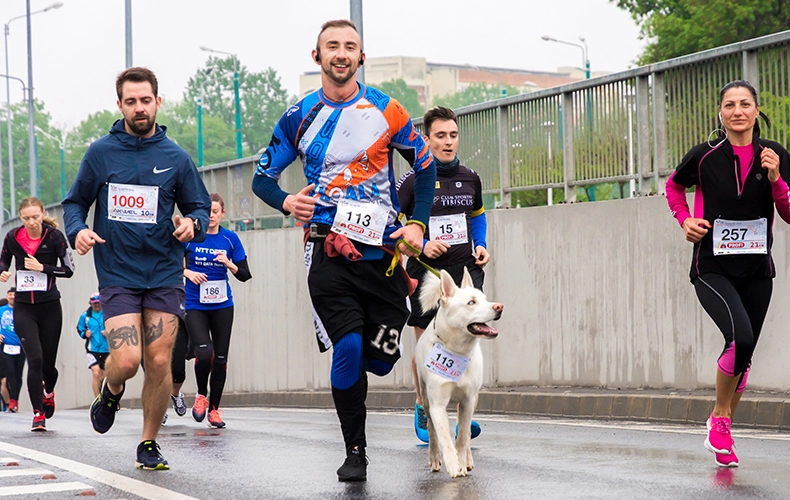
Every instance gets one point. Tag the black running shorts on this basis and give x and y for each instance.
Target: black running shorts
(357, 297)
(116, 300)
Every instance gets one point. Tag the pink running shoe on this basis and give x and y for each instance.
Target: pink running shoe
(199, 408)
(727, 460)
(719, 439)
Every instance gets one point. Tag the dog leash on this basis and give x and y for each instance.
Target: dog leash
(397, 255)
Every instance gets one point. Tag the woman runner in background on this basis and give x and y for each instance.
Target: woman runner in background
(209, 308)
(37, 247)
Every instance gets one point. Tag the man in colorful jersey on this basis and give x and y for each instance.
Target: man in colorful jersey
(137, 176)
(456, 237)
(345, 134)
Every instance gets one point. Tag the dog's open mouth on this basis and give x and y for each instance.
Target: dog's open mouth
(482, 329)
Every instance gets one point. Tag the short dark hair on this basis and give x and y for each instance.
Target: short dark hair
(136, 74)
(215, 197)
(336, 23)
(437, 113)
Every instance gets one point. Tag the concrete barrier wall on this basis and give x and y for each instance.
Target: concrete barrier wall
(595, 294)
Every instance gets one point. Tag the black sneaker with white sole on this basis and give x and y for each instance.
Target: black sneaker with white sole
(104, 408)
(149, 457)
(355, 468)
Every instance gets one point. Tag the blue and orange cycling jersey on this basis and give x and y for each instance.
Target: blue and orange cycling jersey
(346, 150)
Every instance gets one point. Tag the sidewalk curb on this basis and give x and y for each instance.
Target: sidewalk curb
(765, 413)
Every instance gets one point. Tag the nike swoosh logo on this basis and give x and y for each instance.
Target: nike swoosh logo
(157, 171)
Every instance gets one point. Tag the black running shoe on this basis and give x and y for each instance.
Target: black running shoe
(49, 404)
(39, 422)
(103, 409)
(149, 458)
(355, 468)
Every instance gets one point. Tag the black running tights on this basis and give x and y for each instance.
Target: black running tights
(209, 333)
(38, 327)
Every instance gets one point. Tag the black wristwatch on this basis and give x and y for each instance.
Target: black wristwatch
(196, 225)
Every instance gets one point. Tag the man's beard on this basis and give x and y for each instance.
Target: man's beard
(340, 80)
(141, 128)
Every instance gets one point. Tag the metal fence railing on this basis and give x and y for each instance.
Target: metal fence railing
(630, 128)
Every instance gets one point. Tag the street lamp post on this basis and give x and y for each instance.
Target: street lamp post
(9, 119)
(62, 145)
(239, 152)
(31, 110)
(585, 59)
(586, 66)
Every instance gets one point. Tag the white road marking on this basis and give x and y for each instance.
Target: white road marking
(7, 491)
(127, 484)
(16, 471)
(5, 460)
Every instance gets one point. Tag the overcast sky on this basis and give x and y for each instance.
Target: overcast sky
(79, 49)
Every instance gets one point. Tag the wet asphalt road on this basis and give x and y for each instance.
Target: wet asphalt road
(267, 453)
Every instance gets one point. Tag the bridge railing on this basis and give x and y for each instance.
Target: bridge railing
(630, 128)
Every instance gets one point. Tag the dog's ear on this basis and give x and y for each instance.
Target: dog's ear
(448, 285)
(467, 281)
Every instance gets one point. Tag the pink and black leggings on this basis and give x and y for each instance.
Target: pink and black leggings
(738, 307)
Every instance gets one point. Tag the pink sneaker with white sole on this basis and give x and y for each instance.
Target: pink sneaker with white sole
(719, 439)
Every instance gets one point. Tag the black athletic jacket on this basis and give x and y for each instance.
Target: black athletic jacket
(715, 170)
(53, 247)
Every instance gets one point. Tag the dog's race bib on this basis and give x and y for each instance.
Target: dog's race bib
(445, 363)
(450, 229)
(31, 281)
(132, 203)
(213, 292)
(362, 222)
(734, 237)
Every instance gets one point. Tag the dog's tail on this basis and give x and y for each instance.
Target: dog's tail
(430, 292)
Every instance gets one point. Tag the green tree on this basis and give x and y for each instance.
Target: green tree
(474, 94)
(408, 97)
(675, 28)
(263, 101)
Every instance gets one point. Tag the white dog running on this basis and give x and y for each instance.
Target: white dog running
(450, 364)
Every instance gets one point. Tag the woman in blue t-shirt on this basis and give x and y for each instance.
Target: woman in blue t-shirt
(209, 307)
(12, 355)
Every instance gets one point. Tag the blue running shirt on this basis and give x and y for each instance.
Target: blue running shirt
(200, 258)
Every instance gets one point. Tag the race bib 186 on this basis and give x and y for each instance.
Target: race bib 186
(363, 222)
(445, 363)
(450, 229)
(735, 237)
(213, 292)
(131, 203)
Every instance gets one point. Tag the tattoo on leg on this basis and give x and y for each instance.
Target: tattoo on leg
(117, 337)
(153, 332)
(174, 322)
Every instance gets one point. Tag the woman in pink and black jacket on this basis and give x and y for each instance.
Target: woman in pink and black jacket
(740, 179)
(41, 254)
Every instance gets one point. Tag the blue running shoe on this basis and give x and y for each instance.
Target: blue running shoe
(475, 429)
(149, 457)
(104, 408)
(420, 423)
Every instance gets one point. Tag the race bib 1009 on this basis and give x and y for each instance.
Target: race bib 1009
(132, 203)
(735, 237)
